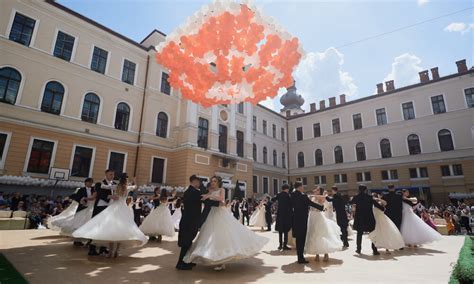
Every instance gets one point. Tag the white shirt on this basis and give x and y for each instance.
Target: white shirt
(110, 186)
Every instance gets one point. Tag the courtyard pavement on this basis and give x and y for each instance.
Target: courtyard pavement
(43, 256)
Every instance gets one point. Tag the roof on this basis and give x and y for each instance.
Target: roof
(152, 32)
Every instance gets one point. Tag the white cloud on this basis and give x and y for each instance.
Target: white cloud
(459, 27)
(274, 103)
(405, 70)
(422, 2)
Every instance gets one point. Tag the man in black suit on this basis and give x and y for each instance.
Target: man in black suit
(268, 213)
(190, 219)
(82, 196)
(393, 209)
(339, 206)
(244, 208)
(364, 220)
(138, 210)
(235, 209)
(300, 203)
(284, 216)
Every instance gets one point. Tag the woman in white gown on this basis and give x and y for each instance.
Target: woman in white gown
(177, 213)
(414, 230)
(81, 217)
(323, 235)
(114, 225)
(258, 217)
(57, 222)
(222, 238)
(159, 222)
(386, 234)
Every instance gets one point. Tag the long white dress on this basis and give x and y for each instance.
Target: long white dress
(80, 218)
(114, 224)
(414, 230)
(176, 217)
(323, 235)
(258, 217)
(386, 234)
(223, 239)
(159, 222)
(57, 222)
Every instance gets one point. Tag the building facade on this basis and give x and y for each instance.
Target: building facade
(78, 96)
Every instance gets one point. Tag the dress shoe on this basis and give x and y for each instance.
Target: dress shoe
(78, 244)
(93, 253)
(280, 248)
(358, 251)
(286, 248)
(376, 253)
(184, 266)
(192, 264)
(302, 261)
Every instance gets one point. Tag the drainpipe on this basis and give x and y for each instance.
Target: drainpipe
(139, 140)
(287, 151)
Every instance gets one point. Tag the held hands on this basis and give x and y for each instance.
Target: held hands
(204, 197)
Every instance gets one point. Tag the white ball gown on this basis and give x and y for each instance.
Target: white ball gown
(57, 222)
(159, 222)
(414, 230)
(258, 217)
(114, 224)
(176, 217)
(223, 239)
(323, 235)
(386, 234)
(79, 219)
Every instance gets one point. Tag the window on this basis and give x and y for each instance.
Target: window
(122, 116)
(394, 174)
(64, 46)
(336, 127)
(99, 60)
(408, 111)
(240, 108)
(451, 170)
(264, 123)
(40, 157)
(265, 155)
(265, 185)
(90, 108)
(53, 98)
(240, 143)
(162, 125)
(418, 172)
(389, 175)
(22, 29)
(222, 138)
(81, 162)
(254, 123)
(367, 176)
(457, 170)
(275, 158)
(445, 140)
(10, 80)
(4, 141)
(318, 157)
(304, 180)
(318, 180)
(203, 132)
(437, 102)
(158, 170)
(275, 186)
(317, 130)
(360, 151)
(282, 134)
(381, 116)
(165, 85)
(445, 171)
(254, 152)
(300, 160)
(385, 148)
(255, 184)
(338, 157)
(357, 120)
(469, 93)
(274, 131)
(340, 178)
(283, 160)
(413, 144)
(413, 173)
(128, 72)
(117, 163)
(299, 133)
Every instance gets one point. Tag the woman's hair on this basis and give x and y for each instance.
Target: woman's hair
(156, 189)
(219, 180)
(123, 179)
(164, 194)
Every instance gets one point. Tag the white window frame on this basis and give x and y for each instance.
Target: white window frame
(168, 126)
(445, 103)
(296, 133)
(74, 47)
(452, 139)
(340, 126)
(107, 64)
(451, 173)
(361, 121)
(340, 179)
(408, 148)
(386, 116)
(91, 167)
(118, 152)
(414, 110)
(28, 154)
(418, 177)
(165, 167)
(22, 83)
(390, 178)
(5, 150)
(130, 117)
(263, 188)
(364, 181)
(258, 187)
(10, 25)
(65, 96)
(464, 96)
(161, 81)
(99, 115)
(278, 185)
(135, 76)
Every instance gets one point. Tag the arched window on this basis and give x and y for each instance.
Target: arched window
(300, 160)
(122, 116)
(53, 98)
(413, 144)
(254, 152)
(445, 140)
(90, 108)
(162, 125)
(10, 80)
(265, 154)
(338, 157)
(360, 151)
(318, 157)
(275, 158)
(283, 160)
(385, 149)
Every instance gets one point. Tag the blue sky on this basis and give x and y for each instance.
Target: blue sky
(323, 27)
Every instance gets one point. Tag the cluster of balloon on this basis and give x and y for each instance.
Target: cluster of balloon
(229, 53)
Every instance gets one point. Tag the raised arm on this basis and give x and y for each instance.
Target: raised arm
(314, 205)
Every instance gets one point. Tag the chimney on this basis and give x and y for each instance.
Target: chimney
(389, 85)
(462, 67)
(322, 104)
(380, 88)
(312, 107)
(342, 99)
(434, 73)
(424, 76)
(288, 113)
(332, 101)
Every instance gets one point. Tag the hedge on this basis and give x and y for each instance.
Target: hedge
(463, 272)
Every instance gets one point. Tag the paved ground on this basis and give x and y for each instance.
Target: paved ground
(44, 257)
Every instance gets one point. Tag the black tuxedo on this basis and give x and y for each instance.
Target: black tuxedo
(339, 206)
(393, 209)
(79, 195)
(103, 193)
(235, 210)
(300, 203)
(244, 207)
(268, 215)
(284, 217)
(364, 220)
(137, 213)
